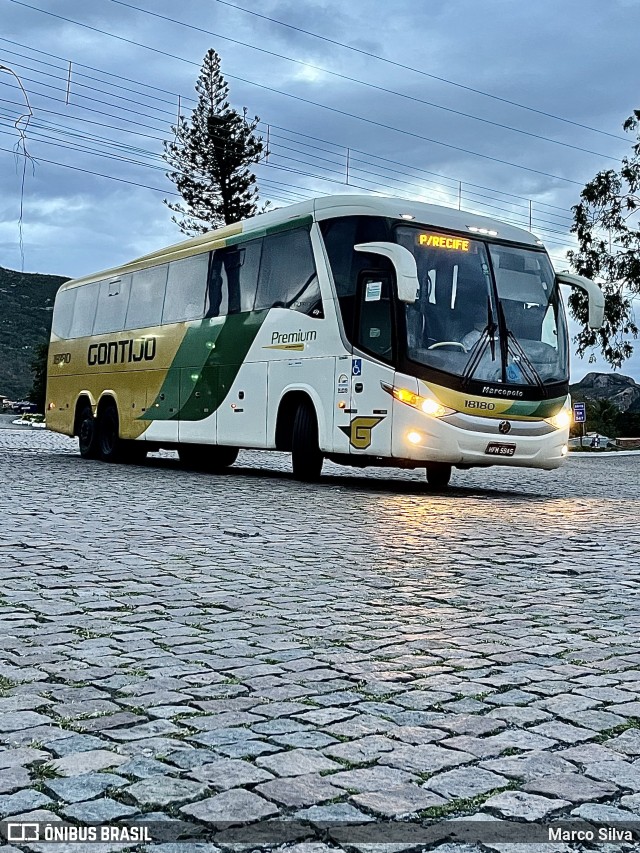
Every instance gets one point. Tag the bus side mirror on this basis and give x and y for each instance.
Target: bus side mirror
(404, 263)
(595, 294)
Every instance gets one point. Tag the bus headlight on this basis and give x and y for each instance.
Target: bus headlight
(425, 404)
(560, 421)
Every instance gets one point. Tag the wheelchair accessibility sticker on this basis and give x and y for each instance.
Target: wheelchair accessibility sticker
(356, 367)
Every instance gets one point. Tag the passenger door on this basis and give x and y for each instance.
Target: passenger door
(372, 366)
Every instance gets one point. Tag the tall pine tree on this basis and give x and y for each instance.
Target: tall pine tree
(210, 156)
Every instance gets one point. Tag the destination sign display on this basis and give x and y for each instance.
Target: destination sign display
(444, 241)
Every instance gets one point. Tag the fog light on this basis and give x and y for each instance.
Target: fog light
(414, 437)
(565, 450)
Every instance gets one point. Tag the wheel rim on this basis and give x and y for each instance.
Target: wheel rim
(86, 432)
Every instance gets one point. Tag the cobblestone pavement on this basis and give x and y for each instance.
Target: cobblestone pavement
(226, 650)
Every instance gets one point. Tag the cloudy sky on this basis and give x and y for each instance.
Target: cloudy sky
(504, 107)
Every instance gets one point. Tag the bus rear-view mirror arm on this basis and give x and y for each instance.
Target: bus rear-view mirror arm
(404, 263)
(595, 294)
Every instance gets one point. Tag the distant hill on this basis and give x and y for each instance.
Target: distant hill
(622, 391)
(26, 306)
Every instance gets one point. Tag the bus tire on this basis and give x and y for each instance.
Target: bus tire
(438, 475)
(87, 433)
(306, 456)
(109, 441)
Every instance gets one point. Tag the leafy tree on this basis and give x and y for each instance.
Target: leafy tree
(210, 157)
(38, 392)
(607, 227)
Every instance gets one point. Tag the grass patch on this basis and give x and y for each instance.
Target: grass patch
(43, 771)
(7, 684)
(86, 634)
(463, 804)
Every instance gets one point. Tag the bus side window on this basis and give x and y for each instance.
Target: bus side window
(186, 289)
(147, 297)
(63, 313)
(233, 278)
(288, 277)
(112, 305)
(84, 310)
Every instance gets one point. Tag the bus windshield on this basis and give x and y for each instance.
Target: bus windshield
(484, 311)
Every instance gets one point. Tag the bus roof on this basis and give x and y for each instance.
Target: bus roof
(325, 207)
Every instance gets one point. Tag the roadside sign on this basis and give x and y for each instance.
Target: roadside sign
(579, 413)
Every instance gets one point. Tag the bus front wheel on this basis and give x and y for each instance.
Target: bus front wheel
(438, 475)
(87, 434)
(306, 456)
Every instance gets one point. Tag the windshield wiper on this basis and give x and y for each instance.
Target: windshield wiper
(521, 358)
(487, 338)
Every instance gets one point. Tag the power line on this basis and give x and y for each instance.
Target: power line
(364, 119)
(405, 67)
(351, 79)
(264, 124)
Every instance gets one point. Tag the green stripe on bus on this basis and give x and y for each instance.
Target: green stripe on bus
(205, 367)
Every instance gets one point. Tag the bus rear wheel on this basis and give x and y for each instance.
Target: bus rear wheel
(209, 458)
(306, 456)
(87, 434)
(438, 475)
(110, 445)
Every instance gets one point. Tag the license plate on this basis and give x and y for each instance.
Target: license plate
(498, 448)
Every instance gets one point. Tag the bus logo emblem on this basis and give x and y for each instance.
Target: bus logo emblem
(359, 431)
(504, 427)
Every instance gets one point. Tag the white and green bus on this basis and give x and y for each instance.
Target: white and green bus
(364, 330)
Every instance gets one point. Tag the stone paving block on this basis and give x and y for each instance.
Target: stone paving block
(142, 768)
(361, 751)
(153, 728)
(475, 726)
(326, 716)
(231, 808)
(297, 762)
(519, 716)
(79, 763)
(416, 735)
(605, 814)
(22, 801)
(511, 697)
(187, 758)
(78, 788)
(631, 802)
(247, 749)
(359, 726)
(308, 790)
(563, 732)
(529, 807)
(480, 747)
(334, 813)
(465, 782)
(425, 758)
(627, 709)
(371, 778)
(13, 778)
(17, 721)
(588, 753)
(159, 791)
(103, 810)
(566, 705)
(530, 766)
(596, 720)
(304, 739)
(22, 757)
(620, 773)
(398, 802)
(74, 743)
(627, 743)
(572, 787)
(228, 773)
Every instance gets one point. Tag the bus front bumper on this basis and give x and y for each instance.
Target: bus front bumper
(465, 440)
